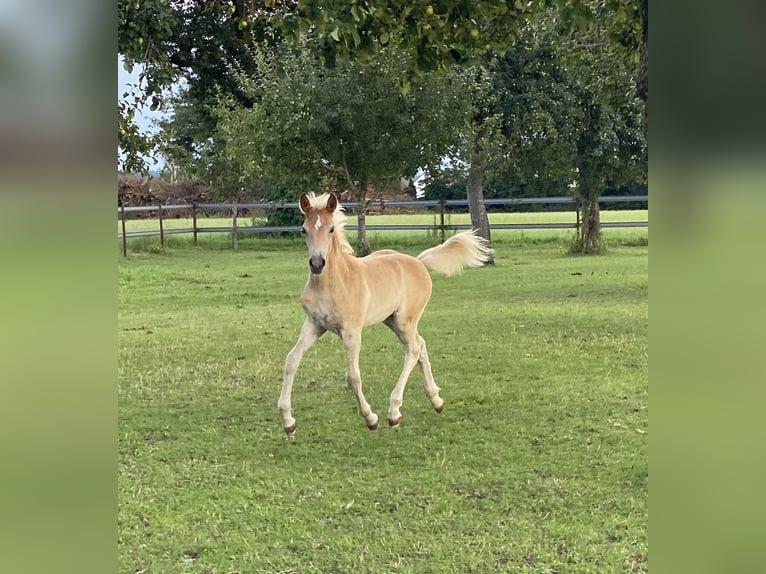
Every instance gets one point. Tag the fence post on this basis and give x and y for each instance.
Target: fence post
(441, 218)
(162, 231)
(234, 241)
(194, 221)
(124, 238)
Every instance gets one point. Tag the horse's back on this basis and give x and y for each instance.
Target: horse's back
(382, 253)
(393, 262)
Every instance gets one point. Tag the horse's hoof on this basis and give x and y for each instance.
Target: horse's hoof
(372, 425)
(290, 431)
(440, 408)
(393, 423)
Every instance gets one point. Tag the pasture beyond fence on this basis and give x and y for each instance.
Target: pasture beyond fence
(236, 209)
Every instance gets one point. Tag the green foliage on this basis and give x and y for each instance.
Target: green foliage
(279, 217)
(196, 40)
(315, 128)
(565, 114)
(539, 462)
(447, 183)
(134, 144)
(435, 34)
(172, 40)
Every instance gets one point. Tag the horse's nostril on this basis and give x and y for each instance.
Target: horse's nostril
(316, 264)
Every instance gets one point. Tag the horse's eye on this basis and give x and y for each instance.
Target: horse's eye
(303, 230)
(332, 229)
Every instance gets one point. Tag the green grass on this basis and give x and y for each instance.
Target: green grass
(539, 462)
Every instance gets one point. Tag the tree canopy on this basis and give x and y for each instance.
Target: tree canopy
(349, 126)
(190, 39)
(433, 33)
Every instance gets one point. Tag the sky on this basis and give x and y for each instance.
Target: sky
(124, 80)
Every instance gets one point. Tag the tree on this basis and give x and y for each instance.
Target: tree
(441, 34)
(642, 83)
(434, 34)
(556, 111)
(317, 128)
(609, 134)
(174, 40)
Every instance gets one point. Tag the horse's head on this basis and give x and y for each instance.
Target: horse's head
(318, 228)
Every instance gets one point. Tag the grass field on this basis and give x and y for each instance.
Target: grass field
(539, 462)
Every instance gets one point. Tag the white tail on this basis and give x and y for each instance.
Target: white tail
(465, 249)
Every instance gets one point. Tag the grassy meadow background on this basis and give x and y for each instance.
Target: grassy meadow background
(539, 462)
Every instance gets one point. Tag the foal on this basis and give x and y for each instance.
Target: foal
(345, 293)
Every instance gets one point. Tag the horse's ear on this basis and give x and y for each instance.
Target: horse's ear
(332, 202)
(303, 203)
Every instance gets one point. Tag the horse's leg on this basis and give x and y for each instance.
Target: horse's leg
(309, 334)
(432, 389)
(416, 352)
(409, 337)
(353, 343)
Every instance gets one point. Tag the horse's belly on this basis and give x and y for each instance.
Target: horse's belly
(378, 313)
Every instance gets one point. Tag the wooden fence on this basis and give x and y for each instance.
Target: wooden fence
(235, 210)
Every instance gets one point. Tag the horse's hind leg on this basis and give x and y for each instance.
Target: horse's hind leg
(411, 356)
(432, 389)
(415, 353)
(353, 343)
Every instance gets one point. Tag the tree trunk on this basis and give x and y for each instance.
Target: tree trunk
(474, 187)
(362, 245)
(643, 75)
(590, 227)
(360, 193)
(588, 237)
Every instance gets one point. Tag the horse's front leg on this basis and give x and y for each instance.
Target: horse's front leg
(309, 334)
(352, 340)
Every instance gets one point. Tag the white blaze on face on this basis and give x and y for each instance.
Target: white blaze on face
(318, 223)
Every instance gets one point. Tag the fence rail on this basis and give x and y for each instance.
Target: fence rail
(235, 208)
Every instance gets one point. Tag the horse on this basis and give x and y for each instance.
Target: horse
(344, 294)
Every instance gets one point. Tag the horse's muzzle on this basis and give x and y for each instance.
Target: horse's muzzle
(316, 264)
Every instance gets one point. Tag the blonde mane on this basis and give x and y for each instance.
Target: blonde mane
(338, 219)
